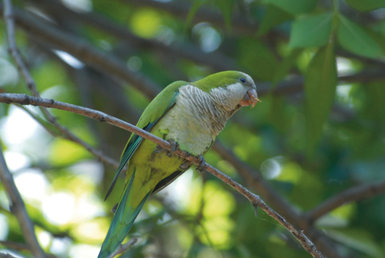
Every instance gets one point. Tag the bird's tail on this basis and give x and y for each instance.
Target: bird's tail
(122, 222)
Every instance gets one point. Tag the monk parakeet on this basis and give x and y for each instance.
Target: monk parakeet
(190, 114)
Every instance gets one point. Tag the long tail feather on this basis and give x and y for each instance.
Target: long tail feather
(130, 149)
(122, 222)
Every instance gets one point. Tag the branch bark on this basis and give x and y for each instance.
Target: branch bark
(353, 194)
(254, 199)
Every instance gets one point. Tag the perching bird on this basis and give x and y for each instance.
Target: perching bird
(188, 114)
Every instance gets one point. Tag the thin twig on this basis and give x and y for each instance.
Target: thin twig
(8, 14)
(257, 202)
(254, 199)
(49, 35)
(239, 23)
(53, 130)
(10, 28)
(17, 204)
(353, 194)
(18, 208)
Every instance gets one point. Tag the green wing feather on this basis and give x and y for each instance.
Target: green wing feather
(131, 146)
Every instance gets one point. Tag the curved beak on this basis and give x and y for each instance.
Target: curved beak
(250, 98)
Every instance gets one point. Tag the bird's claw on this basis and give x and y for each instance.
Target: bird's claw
(202, 163)
(174, 147)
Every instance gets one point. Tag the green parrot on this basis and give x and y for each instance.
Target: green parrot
(189, 115)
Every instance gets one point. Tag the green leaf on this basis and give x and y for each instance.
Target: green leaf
(366, 5)
(379, 27)
(273, 17)
(257, 55)
(294, 7)
(311, 31)
(320, 87)
(355, 39)
(286, 64)
(193, 10)
(226, 7)
(375, 109)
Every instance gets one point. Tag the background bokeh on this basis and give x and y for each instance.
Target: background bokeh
(320, 130)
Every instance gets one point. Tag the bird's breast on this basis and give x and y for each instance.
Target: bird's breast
(187, 128)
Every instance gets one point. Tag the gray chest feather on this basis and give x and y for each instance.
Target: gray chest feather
(194, 121)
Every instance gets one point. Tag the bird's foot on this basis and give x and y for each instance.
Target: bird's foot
(174, 147)
(202, 163)
(185, 165)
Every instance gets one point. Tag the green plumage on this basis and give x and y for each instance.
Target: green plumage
(149, 168)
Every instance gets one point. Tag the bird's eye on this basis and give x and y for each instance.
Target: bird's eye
(243, 80)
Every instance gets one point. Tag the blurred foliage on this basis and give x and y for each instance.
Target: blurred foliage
(320, 129)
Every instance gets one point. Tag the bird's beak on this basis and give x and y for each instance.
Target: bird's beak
(250, 98)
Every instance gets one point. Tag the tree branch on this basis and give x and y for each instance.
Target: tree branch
(217, 61)
(58, 133)
(17, 204)
(14, 245)
(17, 207)
(255, 181)
(10, 28)
(254, 199)
(353, 194)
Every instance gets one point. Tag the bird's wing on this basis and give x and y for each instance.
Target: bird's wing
(157, 108)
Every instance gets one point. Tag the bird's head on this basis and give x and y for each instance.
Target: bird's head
(230, 89)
